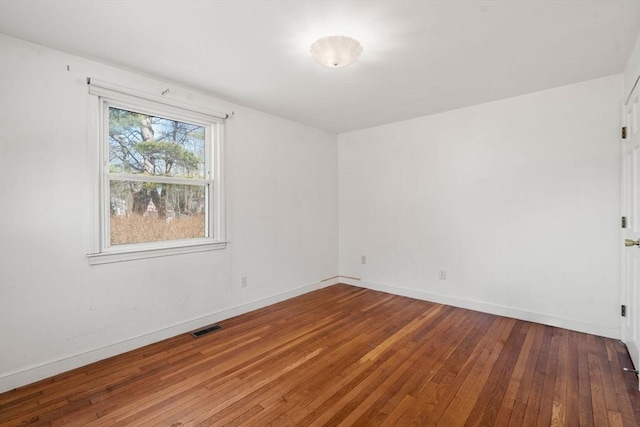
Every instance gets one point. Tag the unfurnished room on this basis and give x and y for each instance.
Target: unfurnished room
(319, 213)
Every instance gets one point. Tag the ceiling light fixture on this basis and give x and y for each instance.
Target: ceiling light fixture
(336, 51)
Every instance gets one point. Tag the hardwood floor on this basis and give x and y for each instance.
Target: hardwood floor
(348, 356)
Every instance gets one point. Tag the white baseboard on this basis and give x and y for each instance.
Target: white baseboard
(485, 307)
(37, 373)
(46, 370)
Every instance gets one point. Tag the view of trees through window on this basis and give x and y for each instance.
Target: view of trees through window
(157, 182)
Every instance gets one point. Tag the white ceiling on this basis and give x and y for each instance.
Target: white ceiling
(420, 57)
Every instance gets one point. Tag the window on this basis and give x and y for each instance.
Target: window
(159, 177)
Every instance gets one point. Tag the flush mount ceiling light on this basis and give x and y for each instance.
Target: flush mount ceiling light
(336, 51)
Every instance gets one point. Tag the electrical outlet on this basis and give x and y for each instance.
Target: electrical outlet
(442, 275)
(243, 282)
(363, 259)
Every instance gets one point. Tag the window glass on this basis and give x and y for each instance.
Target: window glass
(144, 144)
(142, 211)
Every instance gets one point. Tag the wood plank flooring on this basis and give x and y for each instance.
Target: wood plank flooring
(345, 356)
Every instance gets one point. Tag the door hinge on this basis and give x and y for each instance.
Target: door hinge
(623, 310)
(624, 132)
(623, 222)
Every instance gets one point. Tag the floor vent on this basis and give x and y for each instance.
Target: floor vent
(205, 331)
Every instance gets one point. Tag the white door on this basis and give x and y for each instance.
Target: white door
(630, 294)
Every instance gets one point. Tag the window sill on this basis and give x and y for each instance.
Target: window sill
(134, 254)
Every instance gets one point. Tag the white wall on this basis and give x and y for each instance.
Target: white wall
(56, 311)
(517, 199)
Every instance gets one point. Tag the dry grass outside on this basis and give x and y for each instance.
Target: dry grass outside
(138, 228)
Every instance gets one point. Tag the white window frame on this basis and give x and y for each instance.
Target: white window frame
(104, 95)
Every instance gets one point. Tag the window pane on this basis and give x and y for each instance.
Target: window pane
(144, 144)
(151, 212)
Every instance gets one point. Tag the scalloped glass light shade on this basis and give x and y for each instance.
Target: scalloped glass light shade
(336, 51)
